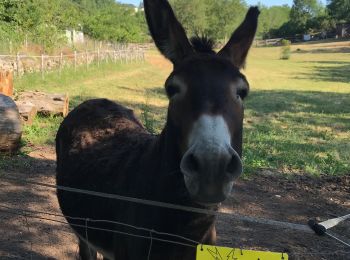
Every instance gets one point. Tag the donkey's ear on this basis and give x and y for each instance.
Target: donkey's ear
(241, 40)
(168, 34)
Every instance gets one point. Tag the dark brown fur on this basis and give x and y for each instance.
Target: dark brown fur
(102, 147)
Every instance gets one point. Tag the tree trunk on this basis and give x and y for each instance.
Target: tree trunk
(10, 125)
(47, 104)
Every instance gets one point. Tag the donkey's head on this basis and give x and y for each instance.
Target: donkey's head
(205, 90)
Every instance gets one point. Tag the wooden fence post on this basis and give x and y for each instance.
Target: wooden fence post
(114, 57)
(61, 61)
(42, 66)
(86, 59)
(98, 57)
(17, 64)
(75, 61)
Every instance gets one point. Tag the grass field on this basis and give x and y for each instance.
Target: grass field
(297, 115)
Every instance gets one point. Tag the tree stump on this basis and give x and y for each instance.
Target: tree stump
(6, 83)
(10, 125)
(47, 104)
(27, 110)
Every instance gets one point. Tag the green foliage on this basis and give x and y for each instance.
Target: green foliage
(192, 15)
(339, 10)
(302, 12)
(216, 19)
(224, 17)
(310, 16)
(114, 23)
(272, 18)
(44, 21)
(285, 50)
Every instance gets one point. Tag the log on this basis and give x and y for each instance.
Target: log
(6, 83)
(47, 104)
(10, 125)
(27, 110)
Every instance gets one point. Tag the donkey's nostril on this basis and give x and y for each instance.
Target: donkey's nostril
(190, 164)
(235, 165)
(193, 164)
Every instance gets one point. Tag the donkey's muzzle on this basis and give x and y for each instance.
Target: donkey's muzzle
(209, 174)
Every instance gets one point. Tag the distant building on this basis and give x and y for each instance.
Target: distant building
(74, 36)
(138, 9)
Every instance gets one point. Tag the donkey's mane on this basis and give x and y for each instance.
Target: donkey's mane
(203, 44)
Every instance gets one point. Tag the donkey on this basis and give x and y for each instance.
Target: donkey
(102, 147)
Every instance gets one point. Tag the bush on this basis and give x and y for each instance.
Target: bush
(285, 50)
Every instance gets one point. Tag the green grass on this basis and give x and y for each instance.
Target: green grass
(297, 115)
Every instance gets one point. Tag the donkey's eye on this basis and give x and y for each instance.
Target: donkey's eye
(172, 90)
(242, 93)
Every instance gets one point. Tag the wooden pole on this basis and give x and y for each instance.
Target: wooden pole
(61, 63)
(98, 57)
(75, 61)
(11, 47)
(86, 59)
(114, 56)
(42, 66)
(17, 64)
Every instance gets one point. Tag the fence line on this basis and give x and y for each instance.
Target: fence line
(87, 220)
(21, 63)
(38, 215)
(31, 214)
(281, 224)
(35, 212)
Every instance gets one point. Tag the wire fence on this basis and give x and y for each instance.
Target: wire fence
(148, 234)
(21, 64)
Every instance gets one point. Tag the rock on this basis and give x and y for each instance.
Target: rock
(10, 125)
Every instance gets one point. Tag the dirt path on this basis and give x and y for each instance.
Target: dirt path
(266, 195)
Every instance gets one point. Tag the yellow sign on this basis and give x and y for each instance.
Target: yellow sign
(224, 253)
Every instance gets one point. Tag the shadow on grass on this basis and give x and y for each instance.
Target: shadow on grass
(297, 131)
(324, 50)
(277, 101)
(332, 71)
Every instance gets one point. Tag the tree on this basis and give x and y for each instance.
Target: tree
(223, 17)
(44, 21)
(303, 11)
(339, 10)
(215, 19)
(114, 23)
(192, 15)
(271, 19)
